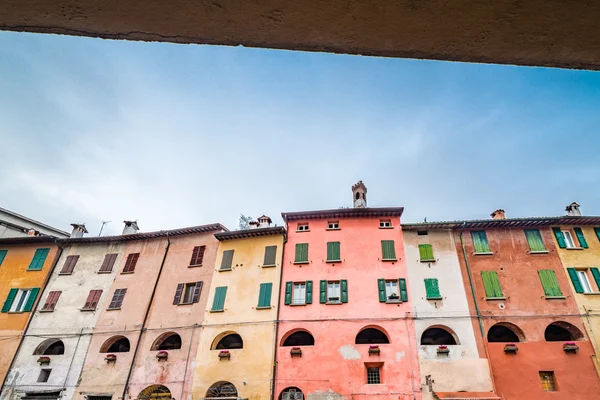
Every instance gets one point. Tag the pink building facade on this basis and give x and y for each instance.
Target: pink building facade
(345, 330)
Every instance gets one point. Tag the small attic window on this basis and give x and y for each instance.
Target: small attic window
(422, 233)
(385, 223)
(302, 228)
(333, 225)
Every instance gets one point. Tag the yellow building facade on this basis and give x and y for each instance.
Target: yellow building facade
(236, 353)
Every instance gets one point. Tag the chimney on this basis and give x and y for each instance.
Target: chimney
(573, 210)
(131, 227)
(253, 225)
(498, 214)
(264, 221)
(78, 230)
(359, 195)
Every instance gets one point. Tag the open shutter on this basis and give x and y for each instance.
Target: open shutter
(2, 255)
(301, 253)
(227, 260)
(323, 292)
(596, 275)
(288, 293)
(403, 290)
(381, 287)
(549, 283)
(264, 296)
(560, 238)
(309, 292)
(575, 280)
(270, 253)
(178, 293)
(333, 251)
(491, 283)
(580, 237)
(344, 289)
(432, 289)
(426, 252)
(9, 299)
(597, 230)
(388, 251)
(197, 291)
(31, 299)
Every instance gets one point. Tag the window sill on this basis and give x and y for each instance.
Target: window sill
(38, 269)
(333, 229)
(16, 312)
(333, 261)
(495, 298)
(185, 304)
(216, 311)
(486, 253)
(539, 252)
(386, 227)
(300, 262)
(393, 301)
(127, 272)
(297, 304)
(389, 259)
(333, 302)
(592, 294)
(307, 230)
(225, 270)
(264, 308)
(44, 311)
(573, 248)
(65, 273)
(113, 309)
(269, 266)
(556, 297)
(427, 261)
(434, 298)
(194, 266)
(87, 309)
(104, 272)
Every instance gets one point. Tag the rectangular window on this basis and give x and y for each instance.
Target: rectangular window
(385, 223)
(219, 299)
(301, 253)
(333, 292)
(422, 233)
(108, 263)
(51, 300)
(480, 242)
(491, 284)
(373, 376)
(426, 253)
(44, 375)
(2, 255)
(299, 293)
(69, 265)
(92, 300)
(132, 260)
(432, 289)
(333, 251)
(549, 283)
(569, 243)
(264, 295)
(18, 304)
(227, 260)
(20, 300)
(38, 259)
(117, 299)
(333, 225)
(270, 256)
(391, 290)
(534, 238)
(585, 282)
(302, 228)
(188, 293)
(197, 256)
(548, 381)
(388, 250)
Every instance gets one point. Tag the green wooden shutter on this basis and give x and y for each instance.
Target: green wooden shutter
(301, 253)
(381, 287)
(560, 238)
(491, 284)
(344, 290)
(309, 290)
(432, 288)
(580, 237)
(264, 296)
(227, 260)
(403, 291)
(388, 251)
(323, 292)
(2, 255)
(549, 283)
(38, 259)
(288, 293)
(534, 238)
(270, 253)
(219, 300)
(596, 275)
(597, 230)
(31, 299)
(426, 252)
(333, 251)
(9, 299)
(575, 280)
(480, 242)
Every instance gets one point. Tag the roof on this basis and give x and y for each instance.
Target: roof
(504, 223)
(32, 221)
(27, 240)
(250, 233)
(344, 213)
(466, 395)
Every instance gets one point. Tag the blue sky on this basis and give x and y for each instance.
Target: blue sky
(180, 135)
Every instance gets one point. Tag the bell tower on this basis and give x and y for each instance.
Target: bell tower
(359, 195)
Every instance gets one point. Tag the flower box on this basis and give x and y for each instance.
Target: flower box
(44, 360)
(511, 348)
(570, 347)
(374, 350)
(442, 349)
(224, 355)
(296, 351)
(110, 358)
(393, 296)
(162, 355)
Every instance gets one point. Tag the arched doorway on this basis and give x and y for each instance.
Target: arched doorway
(220, 390)
(155, 392)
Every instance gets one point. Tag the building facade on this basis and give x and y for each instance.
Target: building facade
(16, 225)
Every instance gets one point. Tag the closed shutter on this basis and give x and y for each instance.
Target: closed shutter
(301, 253)
(549, 283)
(480, 242)
(560, 238)
(264, 296)
(227, 260)
(219, 300)
(51, 300)
(288, 293)
(69, 265)
(197, 255)
(381, 288)
(92, 300)
(38, 259)
(388, 251)
(197, 292)
(270, 253)
(534, 239)
(333, 251)
(309, 292)
(108, 263)
(580, 237)
(131, 262)
(9, 299)
(432, 289)
(2, 255)
(403, 290)
(344, 290)
(178, 293)
(575, 280)
(596, 275)
(491, 284)
(426, 252)
(597, 230)
(117, 299)
(323, 292)
(31, 299)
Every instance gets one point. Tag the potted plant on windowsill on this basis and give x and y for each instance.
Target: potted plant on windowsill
(393, 296)
(43, 360)
(570, 347)
(224, 355)
(162, 355)
(110, 358)
(443, 349)
(374, 349)
(296, 351)
(510, 348)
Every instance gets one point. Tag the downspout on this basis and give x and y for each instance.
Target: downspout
(12, 362)
(187, 360)
(277, 318)
(73, 358)
(587, 316)
(137, 345)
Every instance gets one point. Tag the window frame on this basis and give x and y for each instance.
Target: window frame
(302, 289)
(387, 294)
(333, 226)
(568, 239)
(371, 369)
(553, 385)
(385, 224)
(333, 287)
(303, 227)
(20, 300)
(582, 273)
(188, 293)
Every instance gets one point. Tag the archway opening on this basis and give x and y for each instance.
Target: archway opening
(299, 338)
(220, 390)
(116, 344)
(50, 347)
(505, 333)
(437, 336)
(167, 341)
(229, 342)
(562, 332)
(155, 392)
(371, 336)
(291, 393)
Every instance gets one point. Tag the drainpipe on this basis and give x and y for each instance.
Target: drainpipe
(187, 360)
(12, 362)
(137, 345)
(277, 318)
(73, 358)
(587, 316)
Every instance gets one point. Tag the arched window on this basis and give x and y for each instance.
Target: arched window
(437, 335)
(504, 332)
(221, 389)
(299, 338)
(167, 341)
(371, 336)
(155, 392)
(116, 344)
(229, 341)
(562, 332)
(357, 195)
(291, 393)
(50, 347)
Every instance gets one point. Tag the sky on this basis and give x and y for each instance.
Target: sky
(178, 135)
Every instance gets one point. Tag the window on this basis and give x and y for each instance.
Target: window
(51, 300)
(2, 255)
(491, 283)
(167, 341)
(568, 239)
(291, 393)
(299, 293)
(131, 262)
(580, 280)
(333, 292)
(373, 376)
(301, 253)
(549, 283)
(69, 265)
(371, 336)
(548, 382)
(197, 256)
(299, 338)
(388, 250)
(92, 300)
(561, 331)
(44, 375)
(504, 332)
(333, 225)
(437, 336)
(333, 252)
(480, 242)
(50, 347)
(302, 228)
(227, 260)
(385, 223)
(534, 239)
(116, 344)
(270, 256)
(20, 300)
(38, 259)
(188, 293)
(585, 283)
(230, 341)
(264, 295)
(422, 233)
(117, 299)
(426, 253)
(432, 289)
(392, 290)
(219, 299)
(108, 263)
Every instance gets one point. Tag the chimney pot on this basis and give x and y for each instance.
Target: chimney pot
(78, 230)
(498, 214)
(131, 227)
(573, 210)
(264, 221)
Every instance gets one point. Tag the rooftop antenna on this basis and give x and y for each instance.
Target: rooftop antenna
(102, 227)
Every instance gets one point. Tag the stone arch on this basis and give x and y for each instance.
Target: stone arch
(291, 393)
(155, 392)
(50, 347)
(505, 332)
(227, 341)
(221, 389)
(116, 344)
(298, 337)
(372, 334)
(439, 334)
(167, 341)
(561, 331)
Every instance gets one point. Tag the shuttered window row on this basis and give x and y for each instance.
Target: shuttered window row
(388, 252)
(69, 265)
